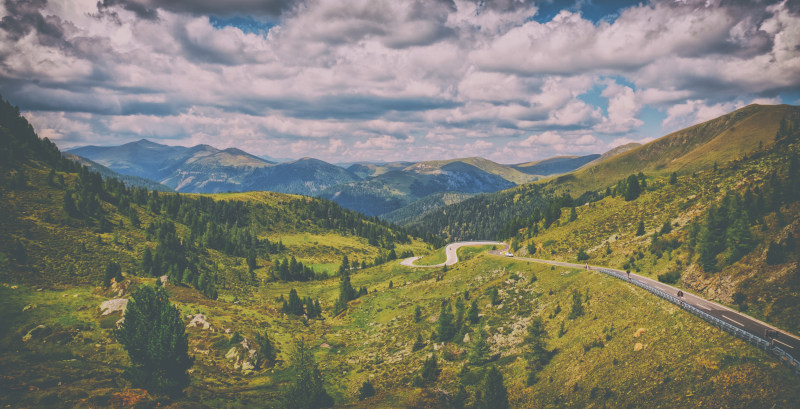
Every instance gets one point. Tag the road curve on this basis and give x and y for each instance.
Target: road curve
(452, 253)
(782, 339)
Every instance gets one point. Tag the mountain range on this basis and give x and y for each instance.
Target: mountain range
(374, 189)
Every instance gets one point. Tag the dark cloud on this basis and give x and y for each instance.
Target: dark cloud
(25, 16)
(148, 9)
(362, 107)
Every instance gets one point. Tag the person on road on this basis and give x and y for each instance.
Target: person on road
(629, 275)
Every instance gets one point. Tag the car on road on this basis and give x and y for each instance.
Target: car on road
(508, 254)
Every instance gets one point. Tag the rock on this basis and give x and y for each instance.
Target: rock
(163, 279)
(112, 306)
(200, 320)
(639, 332)
(466, 339)
(38, 331)
(638, 346)
(324, 345)
(231, 353)
(28, 307)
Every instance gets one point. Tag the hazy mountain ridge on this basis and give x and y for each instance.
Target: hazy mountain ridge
(372, 188)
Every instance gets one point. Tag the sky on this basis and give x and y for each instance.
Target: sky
(387, 80)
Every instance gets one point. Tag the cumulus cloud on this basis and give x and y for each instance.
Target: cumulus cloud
(379, 79)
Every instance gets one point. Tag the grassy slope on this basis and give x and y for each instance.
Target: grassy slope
(687, 361)
(695, 148)
(613, 222)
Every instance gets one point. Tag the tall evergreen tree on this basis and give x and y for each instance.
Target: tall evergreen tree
(495, 395)
(267, 352)
(640, 228)
(473, 315)
(632, 188)
(430, 369)
(308, 390)
(445, 326)
(154, 336)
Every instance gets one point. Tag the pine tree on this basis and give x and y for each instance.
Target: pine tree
(147, 262)
(417, 314)
(495, 395)
(577, 305)
(418, 343)
(69, 205)
(445, 326)
(673, 178)
(535, 342)
(473, 315)
(154, 336)
(479, 349)
(114, 271)
(20, 254)
(632, 189)
(308, 390)
(573, 215)
(267, 352)
(430, 369)
(640, 228)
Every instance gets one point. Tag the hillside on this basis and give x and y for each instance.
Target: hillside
(559, 337)
(696, 148)
(719, 223)
(557, 165)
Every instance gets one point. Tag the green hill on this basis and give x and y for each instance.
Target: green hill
(600, 341)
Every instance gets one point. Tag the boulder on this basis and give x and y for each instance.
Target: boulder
(112, 306)
(201, 321)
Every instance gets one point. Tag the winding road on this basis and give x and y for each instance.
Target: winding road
(779, 338)
(452, 253)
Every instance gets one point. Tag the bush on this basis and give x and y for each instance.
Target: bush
(582, 256)
(671, 277)
(366, 390)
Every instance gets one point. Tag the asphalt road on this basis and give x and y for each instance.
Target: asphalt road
(452, 253)
(780, 338)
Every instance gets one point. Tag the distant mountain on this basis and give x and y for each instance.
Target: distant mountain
(129, 180)
(390, 187)
(206, 169)
(554, 166)
(307, 176)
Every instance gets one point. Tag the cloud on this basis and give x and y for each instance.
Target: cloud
(378, 79)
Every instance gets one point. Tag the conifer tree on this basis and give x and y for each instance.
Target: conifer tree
(267, 352)
(479, 348)
(20, 254)
(640, 228)
(632, 189)
(573, 215)
(473, 315)
(366, 390)
(673, 178)
(430, 369)
(495, 395)
(154, 336)
(535, 342)
(577, 305)
(308, 390)
(418, 343)
(445, 325)
(147, 262)
(69, 205)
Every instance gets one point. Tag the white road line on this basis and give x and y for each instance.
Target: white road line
(703, 307)
(733, 320)
(778, 341)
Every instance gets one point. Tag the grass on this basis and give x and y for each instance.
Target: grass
(373, 340)
(611, 224)
(436, 257)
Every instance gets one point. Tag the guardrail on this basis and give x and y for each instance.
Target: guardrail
(754, 339)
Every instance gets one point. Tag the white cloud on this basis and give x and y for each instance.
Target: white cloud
(410, 79)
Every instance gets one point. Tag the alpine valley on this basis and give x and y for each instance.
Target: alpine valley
(261, 280)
